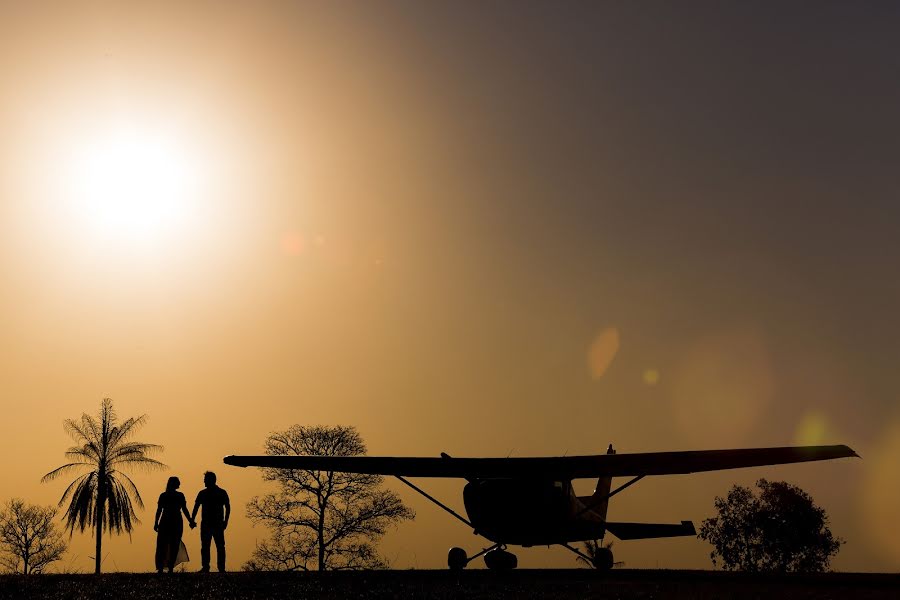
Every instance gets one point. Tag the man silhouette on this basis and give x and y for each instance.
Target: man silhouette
(216, 510)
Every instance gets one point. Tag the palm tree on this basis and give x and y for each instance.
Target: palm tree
(102, 497)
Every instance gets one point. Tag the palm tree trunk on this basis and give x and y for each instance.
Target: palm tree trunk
(99, 544)
(101, 506)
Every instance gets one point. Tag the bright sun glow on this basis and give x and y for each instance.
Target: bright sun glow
(133, 185)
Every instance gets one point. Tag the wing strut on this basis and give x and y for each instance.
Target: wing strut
(609, 495)
(435, 500)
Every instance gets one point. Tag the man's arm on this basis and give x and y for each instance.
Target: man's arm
(196, 508)
(227, 508)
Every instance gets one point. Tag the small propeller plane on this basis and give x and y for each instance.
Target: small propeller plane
(530, 501)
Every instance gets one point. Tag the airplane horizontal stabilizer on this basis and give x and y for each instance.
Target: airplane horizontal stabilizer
(642, 531)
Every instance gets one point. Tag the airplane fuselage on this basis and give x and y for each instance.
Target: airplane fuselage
(527, 512)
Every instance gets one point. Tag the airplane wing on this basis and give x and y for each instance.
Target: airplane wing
(563, 467)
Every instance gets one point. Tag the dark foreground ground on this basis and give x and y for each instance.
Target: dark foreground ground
(625, 583)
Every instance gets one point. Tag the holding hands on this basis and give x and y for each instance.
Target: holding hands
(193, 523)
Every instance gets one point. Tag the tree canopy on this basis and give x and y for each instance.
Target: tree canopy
(29, 540)
(781, 529)
(322, 520)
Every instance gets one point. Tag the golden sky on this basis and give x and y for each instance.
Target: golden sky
(495, 230)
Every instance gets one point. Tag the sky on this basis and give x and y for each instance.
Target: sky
(490, 229)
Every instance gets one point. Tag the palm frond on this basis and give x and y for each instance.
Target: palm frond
(72, 486)
(128, 484)
(77, 431)
(80, 512)
(120, 511)
(63, 469)
(128, 428)
(83, 452)
(143, 463)
(91, 428)
(107, 414)
(131, 449)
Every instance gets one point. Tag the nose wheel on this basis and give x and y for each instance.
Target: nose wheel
(496, 558)
(457, 559)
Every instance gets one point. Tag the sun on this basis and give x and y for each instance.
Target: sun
(133, 185)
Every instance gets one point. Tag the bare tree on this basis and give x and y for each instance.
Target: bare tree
(322, 520)
(29, 540)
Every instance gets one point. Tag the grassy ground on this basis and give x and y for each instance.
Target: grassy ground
(443, 584)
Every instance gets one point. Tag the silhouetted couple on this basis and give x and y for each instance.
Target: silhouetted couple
(216, 509)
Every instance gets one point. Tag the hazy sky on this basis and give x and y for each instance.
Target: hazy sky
(480, 228)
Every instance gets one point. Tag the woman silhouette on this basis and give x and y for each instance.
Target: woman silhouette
(169, 526)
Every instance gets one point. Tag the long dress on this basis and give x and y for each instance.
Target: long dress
(171, 526)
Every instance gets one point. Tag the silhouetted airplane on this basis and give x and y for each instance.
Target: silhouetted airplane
(531, 502)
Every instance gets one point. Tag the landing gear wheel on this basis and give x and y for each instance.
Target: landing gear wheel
(500, 559)
(457, 559)
(603, 560)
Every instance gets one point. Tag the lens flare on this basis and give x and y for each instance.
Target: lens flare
(650, 377)
(881, 494)
(813, 430)
(602, 352)
(292, 244)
